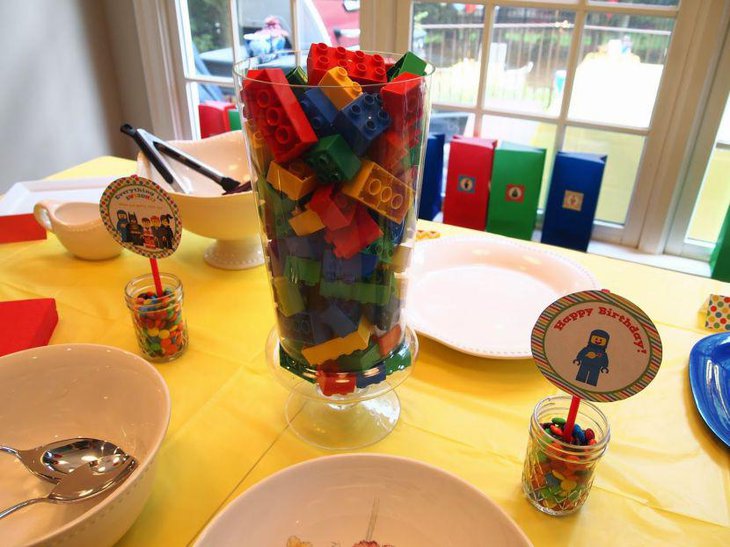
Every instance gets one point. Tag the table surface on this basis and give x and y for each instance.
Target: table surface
(665, 478)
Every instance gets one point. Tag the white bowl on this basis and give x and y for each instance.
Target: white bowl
(330, 500)
(78, 390)
(231, 220)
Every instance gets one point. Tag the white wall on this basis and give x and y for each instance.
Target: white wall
(60, 98)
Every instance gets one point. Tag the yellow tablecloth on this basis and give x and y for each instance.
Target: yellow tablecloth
(664, 480)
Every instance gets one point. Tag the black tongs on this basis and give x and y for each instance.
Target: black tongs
(153, 149)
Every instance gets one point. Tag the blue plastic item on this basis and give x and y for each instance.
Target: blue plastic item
(433, 177)
(320, 111)
(572, 199)
(362, 121)
(709, 376)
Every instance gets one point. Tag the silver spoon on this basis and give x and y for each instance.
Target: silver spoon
(56, 460)
(83, 483)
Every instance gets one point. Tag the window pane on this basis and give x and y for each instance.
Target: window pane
(211, 38)
(450, 37)
(212, 103)
(624, 154)
(617, 78)
(528, 133)
(334, 22)
(263, 27)
(527, 59)
(713, 200)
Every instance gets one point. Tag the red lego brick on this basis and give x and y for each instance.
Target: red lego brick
(354, 237)
(388, 150)
(389, 340)
(335, 211)
(26, 324)
(467, 182)
(276, 112)
(361, 67)
(403, 100)
(335, 383)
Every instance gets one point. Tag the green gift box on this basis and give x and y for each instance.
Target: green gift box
(720, 259)
(515, 190)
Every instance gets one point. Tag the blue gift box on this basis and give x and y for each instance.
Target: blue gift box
(433, 176)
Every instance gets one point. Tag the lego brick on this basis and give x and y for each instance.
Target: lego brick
(384, 317)
(302, 270)
(335, 211)
(339, 322)
(310, 246)
(332, 349)
(401, 258)
(388, 149)
(305, 328)
(467, 182)
(277, 114)
(362, 121)
(360, 360)
(332, 159)
(410, 62)
(276, 252)
(362, 67)
(351, 239)
(305, 223)
(348, 270)
(394, 231)
(296, 180)
(339, 88)
(403, 100)
(375, 187)
(372, 376)
(335, 383)
(389, 340)
(26, 324)
(365, 293)
(261, 155)
(297, 77)
(320, 111)
(289, 363)
(277, 210)
(382, 248)
(288, 298)
(398, 360)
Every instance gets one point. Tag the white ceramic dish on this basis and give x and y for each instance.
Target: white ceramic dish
(482, 295)
(63, 391)
(230, 220)
(329, 501)
(22, 196)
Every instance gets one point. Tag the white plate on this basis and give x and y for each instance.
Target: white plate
(22, 196)
(329, 501)
(482, 295)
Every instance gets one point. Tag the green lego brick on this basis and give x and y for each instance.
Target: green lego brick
(296, 76)
(720, 259)
(234, 119)
(366, 293)
(382, 248)
(398, 360)
(410, 62)
(360, 360)
(332, 159)
(335, 289)
(280, 207)
(288, 298)
(302, 270)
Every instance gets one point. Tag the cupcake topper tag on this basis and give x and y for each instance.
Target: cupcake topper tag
(140, 216)
(597, 346)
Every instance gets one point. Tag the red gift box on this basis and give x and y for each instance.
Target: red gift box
(26, 324)
(20, 228)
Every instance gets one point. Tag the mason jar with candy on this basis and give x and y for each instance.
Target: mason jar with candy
(336, 142)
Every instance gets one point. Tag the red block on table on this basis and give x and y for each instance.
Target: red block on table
(275, 111)
(214, 118)
(26, 324)
(354, 237)
(403, 100)
(361, 67)
(467, 182)
(20, 228)
(335, 211)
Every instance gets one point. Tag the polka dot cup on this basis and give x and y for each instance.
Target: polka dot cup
(158, 320)
(558, 476)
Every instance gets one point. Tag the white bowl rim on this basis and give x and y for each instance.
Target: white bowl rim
(143, 465)
(198, 542)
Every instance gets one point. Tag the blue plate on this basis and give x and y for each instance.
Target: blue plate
(709, 375)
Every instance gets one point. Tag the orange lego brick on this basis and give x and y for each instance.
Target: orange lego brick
(339, 88)
(389, 340)
(296, 181)
(262, 156)
(379, 190)
(332, 349)
(306, 223)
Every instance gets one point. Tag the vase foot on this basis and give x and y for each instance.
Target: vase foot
(335, 425)
(235, 255)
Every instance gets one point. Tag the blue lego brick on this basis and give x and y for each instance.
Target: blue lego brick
(373, 375)
(384, 317)
(362, 121)
(338, 320)
(311, 246)
(320, 111)
(304, 327)
(348, 270)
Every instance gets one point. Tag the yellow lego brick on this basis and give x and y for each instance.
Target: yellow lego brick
(374, 187)
(332, 349)
(260, 152)
(306, 223)
(400, 259)
(296, 180)
(338, 87)
(288, 298)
